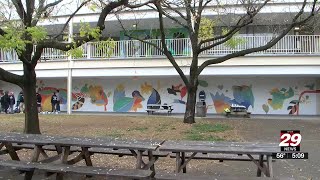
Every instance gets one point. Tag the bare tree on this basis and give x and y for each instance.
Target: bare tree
(24, 18)
(189, 14)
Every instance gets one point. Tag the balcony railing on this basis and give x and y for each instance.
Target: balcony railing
(289, 45)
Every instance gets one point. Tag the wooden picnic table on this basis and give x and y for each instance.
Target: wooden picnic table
(63, 147)
(237, 148)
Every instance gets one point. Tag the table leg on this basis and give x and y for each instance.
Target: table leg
(183, 160)
(151, 159)
(36, 154)
(65, 154)
(178, 162)
(139, 159)
(86, 156)
(13, 154)
(269, 163)
(261, 164)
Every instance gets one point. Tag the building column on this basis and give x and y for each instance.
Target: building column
(69, 78)
(69, 91)
(318, 97)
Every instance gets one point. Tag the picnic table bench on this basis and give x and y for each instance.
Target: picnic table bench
(180, 148)
(238, 110)
(158, 108)
(65, 146)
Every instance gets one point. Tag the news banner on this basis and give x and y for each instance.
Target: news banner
(290, 146)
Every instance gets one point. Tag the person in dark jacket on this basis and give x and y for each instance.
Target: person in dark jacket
(21, 102)
(12, 101)
(5, 102)
(39, 99)
(54, 100)
(1, 101)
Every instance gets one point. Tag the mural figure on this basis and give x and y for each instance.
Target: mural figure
(154, 97)
(243, 95)
(178, 89)
(121, 103)
(46, 93)
(295, 104)
(279, 96)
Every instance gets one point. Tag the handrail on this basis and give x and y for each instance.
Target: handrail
(288, 45)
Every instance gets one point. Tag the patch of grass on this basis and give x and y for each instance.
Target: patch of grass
(163, 127)
(210, 127)
(142, 129)
(205, 132)
(202, 137)
(17, 130)
(115, 134)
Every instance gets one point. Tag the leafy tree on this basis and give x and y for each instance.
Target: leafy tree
(19, 31)
(190, 14)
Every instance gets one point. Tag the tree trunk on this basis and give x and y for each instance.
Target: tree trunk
(30, 100)
(191, 105)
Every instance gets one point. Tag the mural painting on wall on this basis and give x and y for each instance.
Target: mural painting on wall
(242, 95)
(46, 94)
(154, 97)
(278, 98)
(178, 89)
(294, 105)
(96, 94)
(123, 103)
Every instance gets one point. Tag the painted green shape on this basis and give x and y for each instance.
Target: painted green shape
(203, 83)
(85, 89)
(278, 97)
(123, 104)
(265, 107)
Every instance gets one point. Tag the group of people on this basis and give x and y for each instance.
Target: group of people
(7, 100)
(8, 103)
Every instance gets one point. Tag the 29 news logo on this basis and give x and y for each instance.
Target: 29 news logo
(290, 140)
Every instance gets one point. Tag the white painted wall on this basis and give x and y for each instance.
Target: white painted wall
(261, 88)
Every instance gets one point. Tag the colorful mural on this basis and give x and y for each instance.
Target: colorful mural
(295, 104)
(122, 103)
(242, 95)
(279, 96)
(125, 95)
(182, 90)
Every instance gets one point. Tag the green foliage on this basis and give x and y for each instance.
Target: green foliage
(106, 47)
(234, 41)
(12, 40)
(206, 28)
(37, 33)
(86, 31)
(75, 52)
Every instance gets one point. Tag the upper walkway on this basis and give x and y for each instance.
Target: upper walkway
(290, 45)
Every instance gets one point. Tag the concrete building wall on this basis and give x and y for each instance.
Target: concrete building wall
(262, 95)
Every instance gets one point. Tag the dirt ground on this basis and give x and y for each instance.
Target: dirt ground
(161, 127)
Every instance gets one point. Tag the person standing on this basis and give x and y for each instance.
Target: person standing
(1, 101)
(12, 101)
(39, 99)
(21, 102)
(58, 100)
(5, 100)
(54, 102)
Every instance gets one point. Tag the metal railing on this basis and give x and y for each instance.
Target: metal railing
(289, 45)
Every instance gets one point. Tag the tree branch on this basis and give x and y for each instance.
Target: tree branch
(20, 10)
(10, 77)
(30, 10)
(43, 9)
(243, 21)
(71, 16)
(269, 44)
(165, 49)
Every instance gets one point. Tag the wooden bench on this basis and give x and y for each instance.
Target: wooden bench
(157, 108)
(119, 152)
(166, 176)
(221, 157)
(60, 169)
